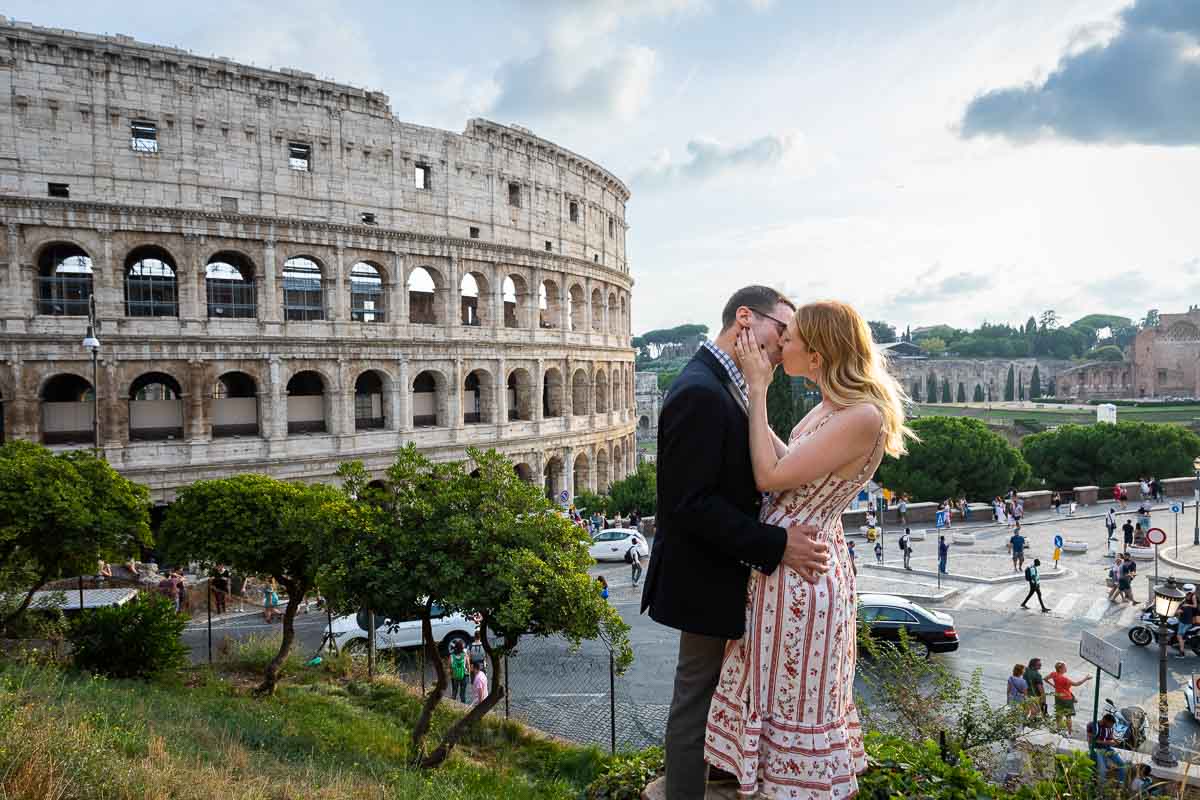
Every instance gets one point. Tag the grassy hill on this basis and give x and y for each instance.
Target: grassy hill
(333, 737)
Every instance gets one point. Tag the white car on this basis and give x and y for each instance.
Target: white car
(350, 632)
(614, 543)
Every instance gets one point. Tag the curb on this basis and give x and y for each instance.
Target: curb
(1162, 556)
(1014, 578)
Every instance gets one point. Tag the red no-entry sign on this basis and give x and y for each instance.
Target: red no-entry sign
(1156, 536)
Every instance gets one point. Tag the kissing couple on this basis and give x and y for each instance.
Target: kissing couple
(750, 563)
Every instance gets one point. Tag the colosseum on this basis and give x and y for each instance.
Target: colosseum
(285, 277)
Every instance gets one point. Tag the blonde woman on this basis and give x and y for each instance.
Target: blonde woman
(783, 718)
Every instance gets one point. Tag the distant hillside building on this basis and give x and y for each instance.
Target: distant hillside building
(1164, 361)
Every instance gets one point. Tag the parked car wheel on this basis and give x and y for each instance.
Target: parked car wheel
(451, 638)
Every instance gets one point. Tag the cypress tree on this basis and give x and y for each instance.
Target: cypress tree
(1010, 384)
(962, 393)
(946, 398)
(916, 391)
(931, 389)
(978, 393)
(1035, 384)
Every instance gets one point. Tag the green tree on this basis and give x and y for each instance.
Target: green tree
(1030, 326)
(476, 539)
(1020, 390)
(956, 455)
(1106, 353)
(1010, 387)
(882, 332)
(781, 405)
(962, 393)
(1151, 320)
(1049, 320)
(1035, 384)
(639, 490)
(262, 526)
(1101, 455)
(933, 345)
(666, 378)
(946, 398)
(1101, 321)
(1051, 390)
(931, 389)
(978, 396)
(60, 513)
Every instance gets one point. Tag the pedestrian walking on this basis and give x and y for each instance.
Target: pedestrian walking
(1057, 554)
(458, 672)
(1017, 689)
(479, 681)
(853, 563)
(943, 553)
(1056, 501)
(1037, 688)
(1035, 585)
(1064, 695)
(1186, 616)
(1144, 488)
(1124, 497)
(600, 579)
(905, 547)
(1017, 544)
(1156, 489)
(1018, 511)
(902, 509)
(221, 581)
(1127, 528)
(270, 601)
(878, 551)
(1144, 515)
(634, 557)
(1125, 579)
(1110, 522)
(997, 510)
(476, 652)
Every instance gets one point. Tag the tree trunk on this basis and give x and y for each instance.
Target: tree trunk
(435, 694)
(296, 591)
(462, 725)
(11, 618)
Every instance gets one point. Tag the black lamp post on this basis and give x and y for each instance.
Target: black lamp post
(92, 342)
(1167, 599)
(1196, 502)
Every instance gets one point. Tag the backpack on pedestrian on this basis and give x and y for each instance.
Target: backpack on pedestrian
(458, 666)
(1029, 574)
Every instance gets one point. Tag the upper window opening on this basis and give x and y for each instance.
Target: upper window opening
(573, 209)
(611, 227)
(368, 218)
(474, 232)
(58, 189)
(514, 194)
(300, 156)
(143, 136)
(423, 176)
(302, 298)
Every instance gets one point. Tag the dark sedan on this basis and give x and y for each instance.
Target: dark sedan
(928, 631)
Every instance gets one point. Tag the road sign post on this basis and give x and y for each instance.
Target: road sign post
(1156, 536)
(1176, 509)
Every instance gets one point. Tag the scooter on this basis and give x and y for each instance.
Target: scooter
(1130, 727)
(1147, 630)
(1189, 696)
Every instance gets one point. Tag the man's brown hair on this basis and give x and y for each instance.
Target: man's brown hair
(762, 299)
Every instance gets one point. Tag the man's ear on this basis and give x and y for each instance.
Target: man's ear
(744, 317)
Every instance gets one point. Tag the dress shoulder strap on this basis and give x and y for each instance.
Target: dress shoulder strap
(862, 473)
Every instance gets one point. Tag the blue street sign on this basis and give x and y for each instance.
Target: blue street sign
(1058, 540)
(1176, 508)
(940, 520)
(564, 496)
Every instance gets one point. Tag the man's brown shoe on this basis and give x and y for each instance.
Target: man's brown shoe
(719, 777)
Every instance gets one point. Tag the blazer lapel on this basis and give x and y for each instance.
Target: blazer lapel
(736, 395)
(710, 361)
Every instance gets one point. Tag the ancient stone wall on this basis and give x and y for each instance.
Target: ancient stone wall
(989, 374)
(286, 277)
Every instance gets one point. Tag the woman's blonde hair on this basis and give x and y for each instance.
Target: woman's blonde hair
(853, 369)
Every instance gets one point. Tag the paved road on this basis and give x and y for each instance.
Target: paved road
(568, 692)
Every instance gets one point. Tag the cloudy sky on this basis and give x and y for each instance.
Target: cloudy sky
(930, 161)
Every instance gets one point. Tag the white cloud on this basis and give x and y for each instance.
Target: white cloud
(554, 83)
(708, 158)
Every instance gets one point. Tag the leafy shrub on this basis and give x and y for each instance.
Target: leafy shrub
(1101, 455)
(639, 490)
(588, 502)
(624, 776)
(140, 639)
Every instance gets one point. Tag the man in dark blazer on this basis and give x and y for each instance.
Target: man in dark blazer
(708, 536)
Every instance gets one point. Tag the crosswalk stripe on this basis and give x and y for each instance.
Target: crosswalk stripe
(1129, 615)
(1066, 604)
(969, 594)
(1096, 610)
(1006, 593)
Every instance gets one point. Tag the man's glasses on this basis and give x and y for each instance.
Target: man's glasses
(782, 325)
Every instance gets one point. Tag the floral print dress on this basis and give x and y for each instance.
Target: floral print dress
(783, 718)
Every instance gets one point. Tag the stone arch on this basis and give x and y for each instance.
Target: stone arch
(370, 400)
(151, 283)
(368, 295)
(619, 470)
(67, 408)
(597, 310)
(479, 387)
(1183, 331)
(602, 479)
(580, 392)
(229, 285)
(303, 289)
(519, 386)
(581, 473)
(429, 399)
(475, 310)
(308, 396)
(644, 424)
(552, 393)
(576, 308)
(623, 318)
(426, 295)
(515, 295)
(614, 314)
(63, 287)
(155, 407)
(601, 401)
(552, 475)
(524, 471)
(618, 391)
(549, 304)
(235, 409)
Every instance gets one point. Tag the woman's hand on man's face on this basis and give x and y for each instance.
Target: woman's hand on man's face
(756, 367)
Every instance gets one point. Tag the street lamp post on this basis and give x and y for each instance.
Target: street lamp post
(1167, 599)
(1196, 502)
(91, 342)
